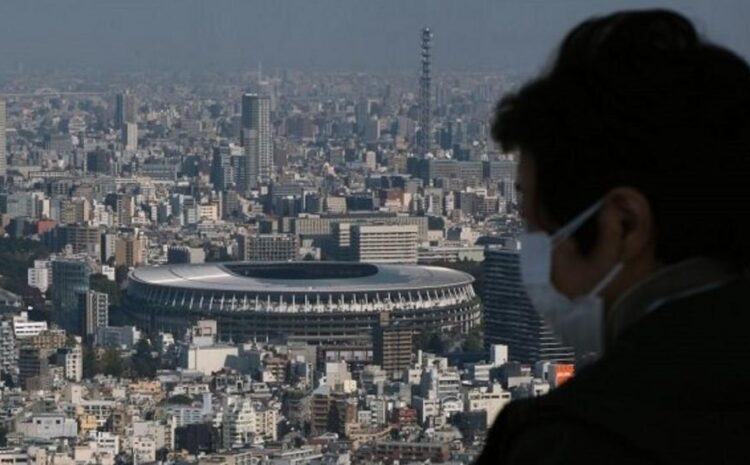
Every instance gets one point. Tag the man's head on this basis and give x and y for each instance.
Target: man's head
(637, 110)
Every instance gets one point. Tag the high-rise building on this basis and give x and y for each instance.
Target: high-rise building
(3, 156)
(125, 206)
(124, 109)
(130, 136)
(393, 345)
(69, 278)
(108, 246)
(75, 211)
(222, 173)
(384, 243)
(8, 356)
(509, 317)
(131, 250)
(94, 308)
(256, 116)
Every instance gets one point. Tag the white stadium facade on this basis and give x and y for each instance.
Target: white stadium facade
(327, 304)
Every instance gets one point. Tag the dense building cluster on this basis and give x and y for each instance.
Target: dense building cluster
(288, 268)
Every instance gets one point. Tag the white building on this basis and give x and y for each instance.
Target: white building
(40, 276)
(99, 409)
(130, 136)
(48, 426)
(96, 311)
(162, 433)
(490, 400)
(8, 354)
(185, 415)
(107, 442)
(208, 359)
(384, 243)
(23, 328)
(71, 359)
(246, 423)
(143, 449)
(440, 384)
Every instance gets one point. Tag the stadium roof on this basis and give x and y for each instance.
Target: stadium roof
(300, 277)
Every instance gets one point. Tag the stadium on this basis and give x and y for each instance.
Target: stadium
(335, 305)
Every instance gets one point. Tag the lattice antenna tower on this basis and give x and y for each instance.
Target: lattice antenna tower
(425, 86)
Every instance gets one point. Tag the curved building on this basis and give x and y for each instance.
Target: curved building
(509, 317)
(330, 304)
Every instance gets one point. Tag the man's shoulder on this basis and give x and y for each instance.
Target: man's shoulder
(550, 429)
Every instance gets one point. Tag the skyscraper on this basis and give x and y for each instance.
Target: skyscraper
(69, 279)
(130, 136)
(94, 312)
(3, 159)
(222, 174)
(509, 317)
(124, 109)
(256, 135)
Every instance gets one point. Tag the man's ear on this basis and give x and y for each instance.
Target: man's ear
(627, 214)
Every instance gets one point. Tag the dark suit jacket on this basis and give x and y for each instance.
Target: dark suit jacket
(674, 387)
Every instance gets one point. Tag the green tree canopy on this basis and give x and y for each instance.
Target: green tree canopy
(100, 283)
(111, 363)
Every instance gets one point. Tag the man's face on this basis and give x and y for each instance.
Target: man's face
(573, 273)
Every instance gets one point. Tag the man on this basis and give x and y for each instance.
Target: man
(634, 172)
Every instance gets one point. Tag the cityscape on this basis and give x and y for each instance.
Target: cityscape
(262, 266)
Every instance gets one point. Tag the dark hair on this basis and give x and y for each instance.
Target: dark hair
(638, 99)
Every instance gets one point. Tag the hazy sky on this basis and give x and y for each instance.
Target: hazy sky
(343, 35)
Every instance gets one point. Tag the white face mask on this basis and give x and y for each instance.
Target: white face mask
(577, 322)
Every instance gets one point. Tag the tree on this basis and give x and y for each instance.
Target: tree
(431, 341)
(473, 341)
(16, 256)
(180, 399)
(111, 363)
(142, 361)
(90, 364)
(100, 283)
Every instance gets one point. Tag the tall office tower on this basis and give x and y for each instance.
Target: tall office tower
(124, 109)
(252, 159)
(130, 136)
(240, 176)
(256, 115)
(222, 173)
(3, 155)
(509, 317)
(69, 278)
(125, 209)
(425, 83)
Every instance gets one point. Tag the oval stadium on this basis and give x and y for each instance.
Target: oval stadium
(329, 304)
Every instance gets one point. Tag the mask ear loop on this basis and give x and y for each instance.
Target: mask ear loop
(607, 279)
(572, 226)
